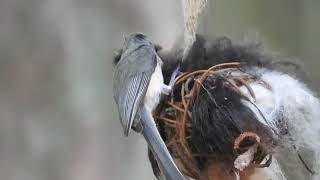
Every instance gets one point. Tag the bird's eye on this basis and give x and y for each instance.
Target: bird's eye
(157, 47)
(117, 57)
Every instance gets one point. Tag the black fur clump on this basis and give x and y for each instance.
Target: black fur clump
(205, 53)
(218, 118)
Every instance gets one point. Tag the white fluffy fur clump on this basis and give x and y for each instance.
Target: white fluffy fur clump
(298, 110)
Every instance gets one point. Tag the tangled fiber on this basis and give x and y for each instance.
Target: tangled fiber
(205, 107)
(228, 111)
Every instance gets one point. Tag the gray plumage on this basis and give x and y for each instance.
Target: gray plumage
(131, 79)
(137, 87)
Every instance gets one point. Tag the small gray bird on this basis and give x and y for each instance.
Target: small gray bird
(137, 87)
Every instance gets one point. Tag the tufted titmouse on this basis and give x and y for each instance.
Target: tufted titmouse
(137, 87)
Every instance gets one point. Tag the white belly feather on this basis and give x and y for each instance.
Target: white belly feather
(154, 91)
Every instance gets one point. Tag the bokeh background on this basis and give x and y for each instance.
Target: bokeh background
(58, 120)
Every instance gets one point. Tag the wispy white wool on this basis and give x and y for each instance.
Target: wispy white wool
(298, 105)
(243, 160)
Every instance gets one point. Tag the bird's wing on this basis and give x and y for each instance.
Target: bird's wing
(136, 91)
(131, 81)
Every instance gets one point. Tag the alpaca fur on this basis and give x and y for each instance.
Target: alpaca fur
(298, 108)
(290, 108)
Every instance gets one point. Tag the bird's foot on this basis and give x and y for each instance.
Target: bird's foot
(174, 76)
(166, 89)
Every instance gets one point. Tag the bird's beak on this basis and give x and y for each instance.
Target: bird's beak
(158, 147)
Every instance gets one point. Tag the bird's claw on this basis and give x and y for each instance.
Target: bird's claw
(174, 76)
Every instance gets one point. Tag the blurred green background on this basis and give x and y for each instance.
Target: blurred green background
(57, 116)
